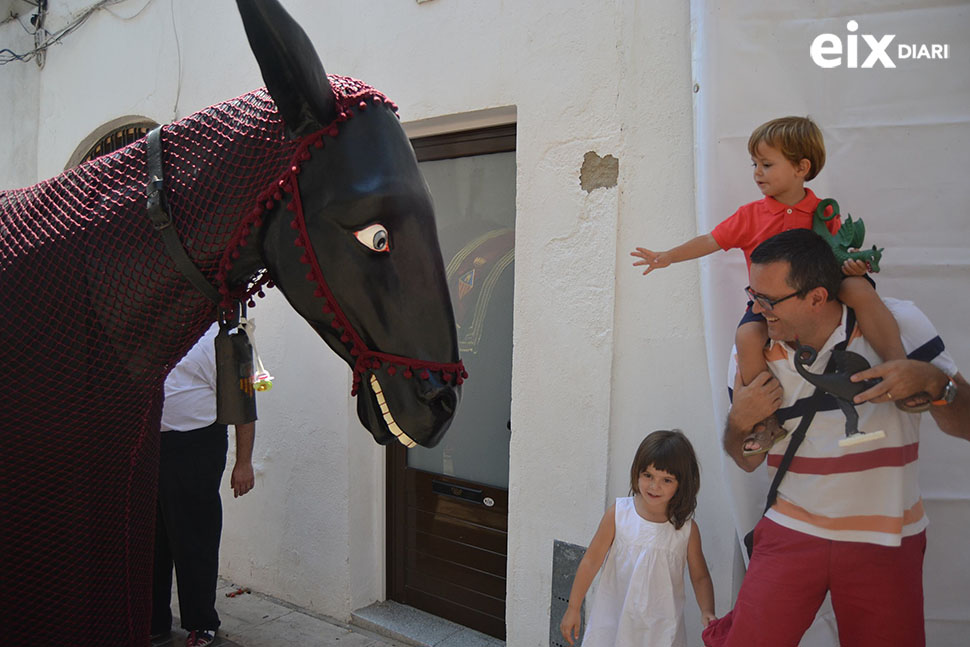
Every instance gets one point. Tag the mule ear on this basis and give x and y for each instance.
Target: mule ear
(290, 66)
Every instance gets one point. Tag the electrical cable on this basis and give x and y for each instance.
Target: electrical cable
(7, 55)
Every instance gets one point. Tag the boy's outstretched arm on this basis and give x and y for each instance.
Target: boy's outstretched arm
(587, 570)
(700, 577)
(693, 248)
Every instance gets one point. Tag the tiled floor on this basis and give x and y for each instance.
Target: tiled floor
(254, 620)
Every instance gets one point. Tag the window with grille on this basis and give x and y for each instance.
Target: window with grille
(117, 138)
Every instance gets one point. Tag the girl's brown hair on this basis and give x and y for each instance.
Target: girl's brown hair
(797, 138)
(671, 452)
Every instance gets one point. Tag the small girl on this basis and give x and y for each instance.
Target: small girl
(648, 536)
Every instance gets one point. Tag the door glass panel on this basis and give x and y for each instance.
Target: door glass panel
(474, 201)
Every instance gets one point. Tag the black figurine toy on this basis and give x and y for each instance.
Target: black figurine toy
(838, 385)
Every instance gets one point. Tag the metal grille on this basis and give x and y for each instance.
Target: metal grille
(116, 139)
(565, 561)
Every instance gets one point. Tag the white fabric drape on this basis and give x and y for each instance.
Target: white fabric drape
(898, 157)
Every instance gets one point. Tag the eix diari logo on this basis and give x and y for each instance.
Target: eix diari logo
(827, 50)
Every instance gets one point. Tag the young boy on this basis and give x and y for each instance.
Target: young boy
(785, 153)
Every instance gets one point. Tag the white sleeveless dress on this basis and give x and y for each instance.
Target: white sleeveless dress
(639, 601)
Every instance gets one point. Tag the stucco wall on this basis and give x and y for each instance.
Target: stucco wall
(19, 105)
(895, 158)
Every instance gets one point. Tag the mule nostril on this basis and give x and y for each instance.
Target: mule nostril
(445, 399)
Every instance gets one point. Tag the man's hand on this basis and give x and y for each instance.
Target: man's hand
(243, 479)
(751, 404)
(756, 401)
(901, 378)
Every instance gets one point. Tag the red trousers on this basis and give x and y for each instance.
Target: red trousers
(877, 591)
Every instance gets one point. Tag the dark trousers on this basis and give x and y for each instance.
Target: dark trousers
(188, 526)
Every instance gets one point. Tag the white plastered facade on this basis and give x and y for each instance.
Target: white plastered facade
(602, 355)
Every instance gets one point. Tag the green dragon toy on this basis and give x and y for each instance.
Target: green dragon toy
(849, 237)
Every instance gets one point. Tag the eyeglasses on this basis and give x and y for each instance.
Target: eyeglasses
(767, 304)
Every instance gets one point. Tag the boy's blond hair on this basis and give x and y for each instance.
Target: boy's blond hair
(797, 138)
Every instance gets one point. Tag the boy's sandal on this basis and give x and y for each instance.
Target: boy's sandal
(916, 403)
(765, 438)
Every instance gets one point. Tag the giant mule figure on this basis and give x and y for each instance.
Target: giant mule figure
(312, 186)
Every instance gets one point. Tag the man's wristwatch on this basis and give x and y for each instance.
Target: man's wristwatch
(949, 394)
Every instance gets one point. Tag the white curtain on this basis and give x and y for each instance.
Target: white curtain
(898, 144)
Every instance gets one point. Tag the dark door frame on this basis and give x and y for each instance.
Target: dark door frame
(482, 141)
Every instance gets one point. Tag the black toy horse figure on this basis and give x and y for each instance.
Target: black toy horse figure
(841, 388)
(313, 186)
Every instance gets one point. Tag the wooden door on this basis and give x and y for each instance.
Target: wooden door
(448, 506)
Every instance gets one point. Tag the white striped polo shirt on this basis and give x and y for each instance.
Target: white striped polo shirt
(867, 492)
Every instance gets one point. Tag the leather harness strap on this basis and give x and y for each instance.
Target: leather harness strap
(162, 219)
(799, 434)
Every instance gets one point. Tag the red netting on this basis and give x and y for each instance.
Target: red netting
(95, 314)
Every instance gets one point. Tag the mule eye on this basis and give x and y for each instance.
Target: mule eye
(374, 237)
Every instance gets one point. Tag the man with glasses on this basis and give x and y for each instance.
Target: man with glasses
(767, 304)
(846, 520)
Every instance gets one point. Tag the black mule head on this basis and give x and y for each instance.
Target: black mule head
(353, 246)
(370, 224)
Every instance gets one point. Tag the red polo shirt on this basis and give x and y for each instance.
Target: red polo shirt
(758, 221)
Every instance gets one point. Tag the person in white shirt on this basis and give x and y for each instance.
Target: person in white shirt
(188, 524)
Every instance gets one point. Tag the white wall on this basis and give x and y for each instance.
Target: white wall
(896, 154)
(659, 371)
(19, 104)
(652, 342)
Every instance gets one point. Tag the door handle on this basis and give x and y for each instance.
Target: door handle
(457, 491)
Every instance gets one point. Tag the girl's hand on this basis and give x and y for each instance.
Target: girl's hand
(570, 625)
(707, 617)
(854, 267)
(653, 260)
